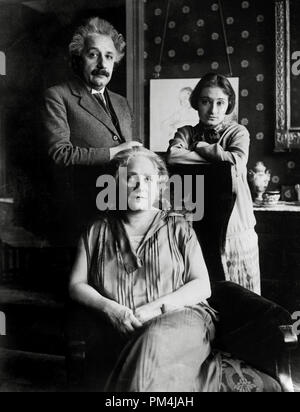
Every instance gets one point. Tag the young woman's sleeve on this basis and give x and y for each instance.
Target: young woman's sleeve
(180, 151)
(236, 152)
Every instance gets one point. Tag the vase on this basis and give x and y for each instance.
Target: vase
(259, 179)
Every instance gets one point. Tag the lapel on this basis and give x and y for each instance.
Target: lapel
(90, 104)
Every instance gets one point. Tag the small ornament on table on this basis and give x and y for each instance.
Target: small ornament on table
(259, 179)
(297, 188)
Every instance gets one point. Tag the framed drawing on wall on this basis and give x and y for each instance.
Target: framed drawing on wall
(170, 109)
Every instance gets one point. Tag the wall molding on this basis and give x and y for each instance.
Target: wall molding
(281, 68)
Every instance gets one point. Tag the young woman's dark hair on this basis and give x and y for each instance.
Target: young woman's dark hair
(214, 80)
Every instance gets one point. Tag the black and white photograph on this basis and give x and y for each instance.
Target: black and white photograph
(149, 198)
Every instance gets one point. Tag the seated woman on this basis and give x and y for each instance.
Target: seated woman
(143, 270)
(217, 138)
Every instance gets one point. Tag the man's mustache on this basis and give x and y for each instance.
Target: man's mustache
(100, 72)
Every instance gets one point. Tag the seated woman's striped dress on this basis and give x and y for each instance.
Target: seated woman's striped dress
(169, 353)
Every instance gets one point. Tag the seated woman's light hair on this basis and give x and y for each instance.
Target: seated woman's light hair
(96, 25)
(123, 158)
(122, 161)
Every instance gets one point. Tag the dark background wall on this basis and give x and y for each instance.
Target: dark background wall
(194, 45)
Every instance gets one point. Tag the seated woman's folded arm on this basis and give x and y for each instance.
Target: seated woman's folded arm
(196, 287)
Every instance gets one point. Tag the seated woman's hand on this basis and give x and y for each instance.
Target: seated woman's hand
(123, 319)
(147, 312)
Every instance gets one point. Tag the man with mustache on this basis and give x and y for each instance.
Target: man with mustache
(85, 124)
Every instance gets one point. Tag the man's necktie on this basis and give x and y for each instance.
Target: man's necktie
(99, 97)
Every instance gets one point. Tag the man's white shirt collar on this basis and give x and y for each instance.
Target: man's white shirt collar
(94, 91)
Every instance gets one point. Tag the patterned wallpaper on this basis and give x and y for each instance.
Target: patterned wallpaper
(194, 45)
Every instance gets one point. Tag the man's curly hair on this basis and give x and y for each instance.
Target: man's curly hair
(94, 25)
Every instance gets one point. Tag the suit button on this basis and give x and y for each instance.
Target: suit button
(115, 138)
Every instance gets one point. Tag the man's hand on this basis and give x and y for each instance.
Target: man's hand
(124, 146)
(123, 319)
